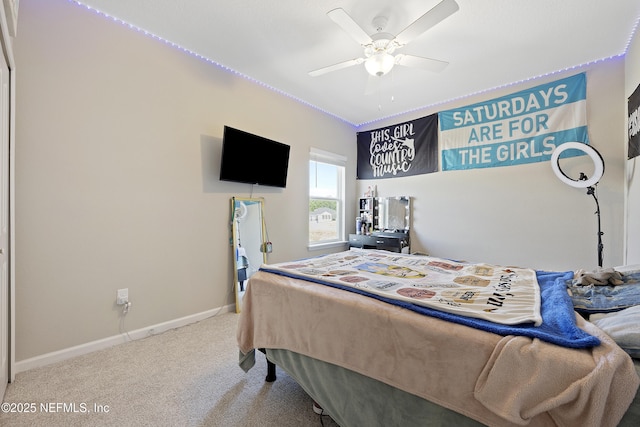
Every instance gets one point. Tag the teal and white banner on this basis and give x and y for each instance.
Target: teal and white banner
(524, 127)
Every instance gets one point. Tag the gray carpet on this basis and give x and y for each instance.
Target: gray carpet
(183, 377)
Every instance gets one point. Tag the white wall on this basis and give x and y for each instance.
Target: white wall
(632, 177)
(523, 215)
(118, 147)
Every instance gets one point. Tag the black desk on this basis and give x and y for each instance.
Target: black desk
(388, 241)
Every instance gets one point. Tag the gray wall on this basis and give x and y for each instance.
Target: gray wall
(632, 176)
(524, 215)
(118, 148)
(118, 145)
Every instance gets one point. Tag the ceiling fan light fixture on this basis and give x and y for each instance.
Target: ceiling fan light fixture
(379, 47)
(379, 64)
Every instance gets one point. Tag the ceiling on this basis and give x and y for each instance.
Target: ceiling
(488, 44)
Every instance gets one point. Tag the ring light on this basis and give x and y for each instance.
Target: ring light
(587, 149)
(583, 181)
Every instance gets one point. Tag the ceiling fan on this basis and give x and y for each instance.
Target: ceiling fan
(379, 47)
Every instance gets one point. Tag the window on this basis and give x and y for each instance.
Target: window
(326, 198)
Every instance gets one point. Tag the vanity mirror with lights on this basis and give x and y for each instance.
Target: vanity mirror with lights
(383, 223)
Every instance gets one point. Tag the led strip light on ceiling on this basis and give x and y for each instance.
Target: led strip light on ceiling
(424, 107)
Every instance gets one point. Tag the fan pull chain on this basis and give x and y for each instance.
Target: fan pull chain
(393, 85)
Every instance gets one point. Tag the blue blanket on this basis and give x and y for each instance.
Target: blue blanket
(558, 317)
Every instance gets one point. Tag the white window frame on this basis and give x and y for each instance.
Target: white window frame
(322, 156)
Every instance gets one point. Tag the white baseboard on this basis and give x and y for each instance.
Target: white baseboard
(67, 353)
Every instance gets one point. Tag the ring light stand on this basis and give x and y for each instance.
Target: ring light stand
(583, 181)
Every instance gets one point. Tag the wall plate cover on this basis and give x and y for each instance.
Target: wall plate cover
(122, 296)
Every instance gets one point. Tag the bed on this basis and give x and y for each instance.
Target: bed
(369, 358)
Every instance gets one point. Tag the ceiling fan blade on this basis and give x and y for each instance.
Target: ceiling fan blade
(439, 12)
(420, 62)
(335, 67)
(342, 18)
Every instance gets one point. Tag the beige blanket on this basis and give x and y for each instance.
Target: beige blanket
(496, 380)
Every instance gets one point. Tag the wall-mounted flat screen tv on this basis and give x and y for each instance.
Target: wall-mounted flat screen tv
(252, 159)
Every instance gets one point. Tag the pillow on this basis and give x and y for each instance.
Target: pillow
(624, 328)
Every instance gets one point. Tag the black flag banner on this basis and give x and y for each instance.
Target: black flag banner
(404, 149)
(634, 124)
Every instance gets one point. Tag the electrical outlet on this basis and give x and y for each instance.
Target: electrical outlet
(122, 296)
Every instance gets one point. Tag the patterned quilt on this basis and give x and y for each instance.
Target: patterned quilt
(504, 295)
